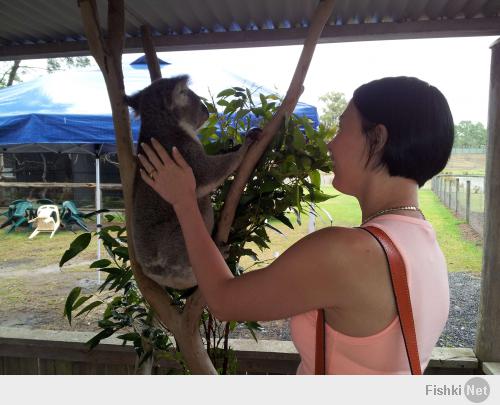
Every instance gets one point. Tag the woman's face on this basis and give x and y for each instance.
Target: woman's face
(349, 152)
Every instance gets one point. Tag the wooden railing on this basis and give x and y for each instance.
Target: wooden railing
(28, 351)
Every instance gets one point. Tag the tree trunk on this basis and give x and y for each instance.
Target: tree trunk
(13, 72)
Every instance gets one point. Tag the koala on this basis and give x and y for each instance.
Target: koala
(172, 113)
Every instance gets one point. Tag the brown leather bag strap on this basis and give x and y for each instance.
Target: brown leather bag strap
(402, 294)
(319, 361)
(403, 303)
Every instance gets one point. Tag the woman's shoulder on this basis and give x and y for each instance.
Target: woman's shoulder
(348, 251)
(343, 239)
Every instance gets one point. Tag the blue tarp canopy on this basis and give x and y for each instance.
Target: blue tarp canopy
(69, 112)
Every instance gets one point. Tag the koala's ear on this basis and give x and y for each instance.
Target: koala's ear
(134, 101)
(180, 95)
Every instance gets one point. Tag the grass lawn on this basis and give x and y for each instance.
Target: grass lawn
(17, 251)
(461, 255)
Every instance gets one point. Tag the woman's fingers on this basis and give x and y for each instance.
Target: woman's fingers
(148, 180)
(152, 156)
(145, 163)
(160, 150)
(179, 159)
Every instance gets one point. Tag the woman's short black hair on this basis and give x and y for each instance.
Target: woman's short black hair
(418, 121)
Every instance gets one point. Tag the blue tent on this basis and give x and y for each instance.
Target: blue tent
(69, 112)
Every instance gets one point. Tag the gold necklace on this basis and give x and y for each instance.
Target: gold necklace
(403, 208)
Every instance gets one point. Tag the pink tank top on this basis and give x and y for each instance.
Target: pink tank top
(384, 352)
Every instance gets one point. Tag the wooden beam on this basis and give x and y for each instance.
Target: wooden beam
(276, 37)
(265, 356)
(491, 368)
(39, 184)
(488, 334)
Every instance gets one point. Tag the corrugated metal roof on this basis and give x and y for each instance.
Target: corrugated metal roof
(38, 28)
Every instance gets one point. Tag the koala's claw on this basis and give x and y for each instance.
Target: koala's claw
(254, 134)
(224, 249)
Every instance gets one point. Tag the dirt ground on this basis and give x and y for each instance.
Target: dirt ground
(34, 298)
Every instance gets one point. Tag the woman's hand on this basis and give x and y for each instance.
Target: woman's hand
(172, 179)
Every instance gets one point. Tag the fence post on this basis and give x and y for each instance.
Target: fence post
(467, 202)
(449, 193)
(457, 187)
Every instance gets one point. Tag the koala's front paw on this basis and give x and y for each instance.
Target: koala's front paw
(224, 249)
(253, 135)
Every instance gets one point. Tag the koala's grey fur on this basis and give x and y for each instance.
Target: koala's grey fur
(172, 113)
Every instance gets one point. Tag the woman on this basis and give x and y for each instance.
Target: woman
(395, 134)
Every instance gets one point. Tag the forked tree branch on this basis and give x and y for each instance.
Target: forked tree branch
(320, 18)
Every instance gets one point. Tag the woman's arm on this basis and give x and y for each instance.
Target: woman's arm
(309, 275)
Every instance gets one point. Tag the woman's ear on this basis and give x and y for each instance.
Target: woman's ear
(380, 137)
(377, 138)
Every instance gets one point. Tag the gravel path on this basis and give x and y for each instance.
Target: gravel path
(460, 330)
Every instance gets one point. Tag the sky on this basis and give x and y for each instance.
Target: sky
(459, 67)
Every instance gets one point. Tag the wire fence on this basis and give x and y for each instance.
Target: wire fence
(464, 195)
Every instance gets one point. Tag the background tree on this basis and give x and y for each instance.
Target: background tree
(12, 71)
(335, 104)
(470, 134)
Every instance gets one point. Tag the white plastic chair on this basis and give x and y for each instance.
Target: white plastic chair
(47, 220)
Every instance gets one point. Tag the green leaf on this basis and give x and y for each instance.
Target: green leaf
(121, 252)
(80, 301)
(263, 100)
(281, 217)
(89, 307)
(315, 177)
(100, 336)
(132, 336)
(299, 142)
(79, 244)
(274, 229)
(226, 93)
(107, 239)
(318, 197)
(99, 264)
(109, 217)
(68, 306)
(240, 114)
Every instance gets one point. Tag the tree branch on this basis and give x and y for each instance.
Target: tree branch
(320, 18)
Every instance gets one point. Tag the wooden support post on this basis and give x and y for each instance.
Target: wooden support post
(467, 202)
(150, 52)
(488, 334)
(107, 52)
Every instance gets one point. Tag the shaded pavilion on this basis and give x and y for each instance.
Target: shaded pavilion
(39, 29)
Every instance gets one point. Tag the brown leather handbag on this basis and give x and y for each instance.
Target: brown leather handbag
(403, 303)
